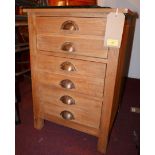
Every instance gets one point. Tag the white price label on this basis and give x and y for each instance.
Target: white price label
(114, 29)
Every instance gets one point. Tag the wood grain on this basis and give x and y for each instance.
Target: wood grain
(99, 71)
(108, 100)
(84, 85)
(82, 68)
(82, 101)
(82, 12)
(74, 56)
(86, 26)
(71, 124)
(87, 118)
(38, 121)
(83, 45)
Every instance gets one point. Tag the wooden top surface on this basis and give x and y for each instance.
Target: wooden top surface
(78, 9)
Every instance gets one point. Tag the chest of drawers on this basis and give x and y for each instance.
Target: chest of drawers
(76, 80)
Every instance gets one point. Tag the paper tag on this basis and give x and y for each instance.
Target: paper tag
(114, 29)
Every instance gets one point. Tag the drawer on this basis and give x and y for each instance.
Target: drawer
(85, 85)
(77, 45)
(69, 25)
(70, 66)
(69, 99)
(80, 116)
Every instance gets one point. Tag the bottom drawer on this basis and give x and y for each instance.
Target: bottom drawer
(71, 113)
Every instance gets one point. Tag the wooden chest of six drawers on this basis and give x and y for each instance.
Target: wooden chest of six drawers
(76, 80)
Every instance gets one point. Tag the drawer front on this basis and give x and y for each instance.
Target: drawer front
(74, 114)
(69, 99)
(68, 25)
(86, 85)
(70, 66)
(93, 47)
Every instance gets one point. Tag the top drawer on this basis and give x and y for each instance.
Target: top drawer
(70, 25)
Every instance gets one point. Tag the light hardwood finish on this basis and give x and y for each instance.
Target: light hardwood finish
(74, 56)
(82, 68)
(76, 81)
(71, 124)
(85, 117)
(83, 84)
(82, 101)
(79, 45)
(82, 12)
(38, 120)
(78, 26)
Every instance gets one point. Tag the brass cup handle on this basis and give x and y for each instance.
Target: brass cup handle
(67, 115)
(67, 100)
(67, 66)
(68, 84)
(68, 47)
(69, 25)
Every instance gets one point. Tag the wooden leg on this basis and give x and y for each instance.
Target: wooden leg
(102, 144)
(38, 123)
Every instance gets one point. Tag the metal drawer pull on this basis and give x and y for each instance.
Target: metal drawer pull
(69, 26)
(68, 84)
(67, 115)
(67, 100)
(67, 66)
(68, 46)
